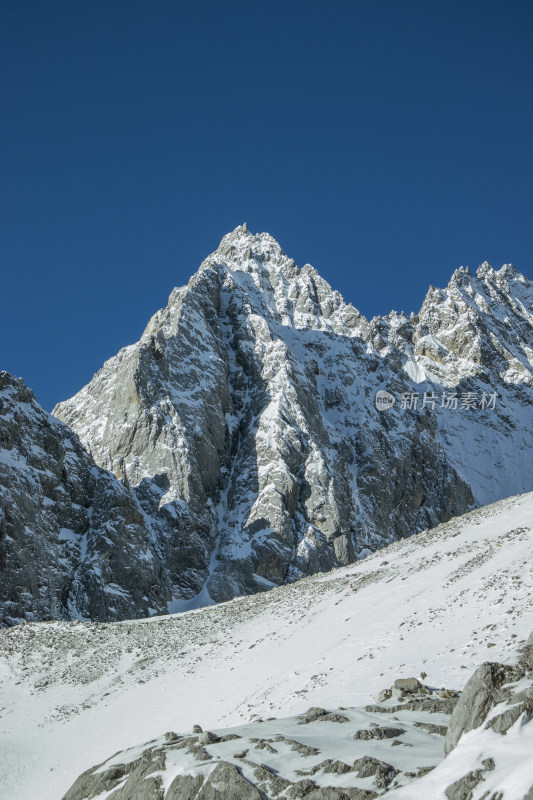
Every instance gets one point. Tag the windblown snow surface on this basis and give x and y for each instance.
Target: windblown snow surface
(73, 693)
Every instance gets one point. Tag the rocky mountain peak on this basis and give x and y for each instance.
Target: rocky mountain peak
(255, 266)
(241, 438)
(246, 416)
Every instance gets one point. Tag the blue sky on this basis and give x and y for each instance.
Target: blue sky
(386, 143)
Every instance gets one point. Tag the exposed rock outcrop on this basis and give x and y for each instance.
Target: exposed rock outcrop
(492, 685)
(172, 762)
(497, 703)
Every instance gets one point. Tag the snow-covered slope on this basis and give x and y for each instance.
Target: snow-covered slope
(72, 694)
(245, 416)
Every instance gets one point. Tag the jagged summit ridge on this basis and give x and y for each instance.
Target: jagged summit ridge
(246, 415)
(300, 296)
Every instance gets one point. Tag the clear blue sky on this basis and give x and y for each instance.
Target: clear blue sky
(386, 143)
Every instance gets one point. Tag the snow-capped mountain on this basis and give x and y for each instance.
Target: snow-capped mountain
(435, 605)
(245, 419)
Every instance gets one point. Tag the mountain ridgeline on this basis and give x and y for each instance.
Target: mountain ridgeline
(239, 443)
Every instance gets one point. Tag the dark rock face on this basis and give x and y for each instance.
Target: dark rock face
(73, 540)
(330, 793)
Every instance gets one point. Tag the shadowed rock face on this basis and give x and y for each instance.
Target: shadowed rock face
(245, 416)
(73, 540)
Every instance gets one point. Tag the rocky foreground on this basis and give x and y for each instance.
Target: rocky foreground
(349, 754)
(441, 602)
